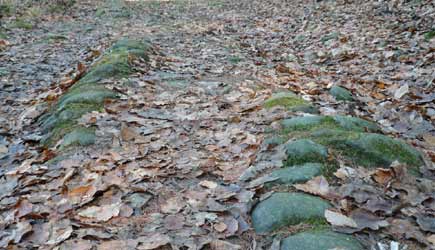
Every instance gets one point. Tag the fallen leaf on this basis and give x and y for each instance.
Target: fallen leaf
(101, 213)
(338, 219)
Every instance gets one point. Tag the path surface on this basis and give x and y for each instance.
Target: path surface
(170, 154)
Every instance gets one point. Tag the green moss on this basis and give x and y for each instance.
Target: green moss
(429, 35)
(368, 149)
(296, 174)
(22, 24)
(91, 97)
(88, 95)
(290, 101)
(70, 112)
(341, 94)
(79, 136)
(338, 122)
(305, 151)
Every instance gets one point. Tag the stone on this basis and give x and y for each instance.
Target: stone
(369, 149)
(305, 151)
(320, 240)
(340, 93)
(297, 174)
(89, 94)
(286, 209)
(80, 136)
(315, 122)
(290, 101)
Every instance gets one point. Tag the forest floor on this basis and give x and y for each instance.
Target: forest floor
(171, 155)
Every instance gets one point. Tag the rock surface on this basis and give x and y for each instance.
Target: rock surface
(320, 240)
(286, 209)
(297, 174)
(340, 93)
(290, 101)
(304, 151)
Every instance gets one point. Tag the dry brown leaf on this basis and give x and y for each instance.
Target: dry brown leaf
(153, 241)
(338, 219)
(101, 213)
(317, 186)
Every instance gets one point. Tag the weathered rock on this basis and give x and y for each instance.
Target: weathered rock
(315, 122)
(297, 174)
(285, 209)
(340, 93)
(320, 240)
(80, 136)
(368, 149)
(89, 94)
(290, 101)
(305, 151)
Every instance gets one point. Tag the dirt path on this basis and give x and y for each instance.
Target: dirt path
(171, 164)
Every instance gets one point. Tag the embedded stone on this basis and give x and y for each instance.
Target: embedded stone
(286, 209)
(297, 174)
(320, 240)
(369, 149)
(305, 151)
(290, 101)
(340, 93)
(314, 122)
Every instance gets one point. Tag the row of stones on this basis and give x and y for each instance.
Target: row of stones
(89, 94)
(309, 141)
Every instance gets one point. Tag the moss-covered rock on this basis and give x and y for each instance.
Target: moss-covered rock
(320, 240)
(338, 122)
(340, 93)
(305, 151)
(286, 209)
(368, 149)
(89, 94)
(290, 101)
(80, 136)
(297, 174)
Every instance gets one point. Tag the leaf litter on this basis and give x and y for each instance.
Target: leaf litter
(173, 152)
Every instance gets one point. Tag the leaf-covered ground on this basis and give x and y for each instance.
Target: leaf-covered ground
(170, 163)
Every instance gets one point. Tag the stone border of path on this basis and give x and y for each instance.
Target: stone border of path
(311, 145)
(60, 126)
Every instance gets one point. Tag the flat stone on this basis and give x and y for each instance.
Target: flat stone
(286, 209)
(305, 151)
(320, 240)
(290, 101)
(340, 93)
(297, 174)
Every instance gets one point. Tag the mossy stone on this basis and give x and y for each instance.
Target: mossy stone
(369, 149)
(305, 151)
(320, 240)
(311, 123)
(88, 94)
(94, 96)
(297, 174)
(290, 101)
(70, 112)
(429, 35)
(80, 136)
(286, 209)
(340, 93)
